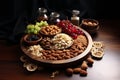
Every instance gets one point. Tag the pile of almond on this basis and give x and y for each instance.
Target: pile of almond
(50, 30)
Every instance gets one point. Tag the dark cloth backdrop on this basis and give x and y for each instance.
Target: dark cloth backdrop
(15, 14)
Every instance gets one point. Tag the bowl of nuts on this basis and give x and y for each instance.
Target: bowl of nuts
(50, 30)
(64, 48)
(90, 25)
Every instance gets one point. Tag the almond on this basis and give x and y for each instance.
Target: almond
(83, 72)
(90, 60)
(84, 65)
(76, 70)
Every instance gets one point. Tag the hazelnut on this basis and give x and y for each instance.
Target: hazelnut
(69, 71)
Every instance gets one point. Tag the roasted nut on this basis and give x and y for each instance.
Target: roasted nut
(50, 30)
(49, 53)
(62, 41)
(76, 70)
(84, 65)
(90, 23)
(59, 58)
(55, 54)
(69, 71)
(90, 61)
(83, 72)
(67, 57)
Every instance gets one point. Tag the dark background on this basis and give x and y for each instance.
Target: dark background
(15, 13)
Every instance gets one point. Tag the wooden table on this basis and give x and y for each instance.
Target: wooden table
(108, 68)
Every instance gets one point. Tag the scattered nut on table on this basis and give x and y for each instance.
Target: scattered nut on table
(83, 72)
(90, 61)
(69, 71)
(76, 70)
(84, 65)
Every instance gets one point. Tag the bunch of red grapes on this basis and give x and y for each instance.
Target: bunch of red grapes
(69, 28)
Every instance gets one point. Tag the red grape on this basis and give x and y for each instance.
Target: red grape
(69, 28)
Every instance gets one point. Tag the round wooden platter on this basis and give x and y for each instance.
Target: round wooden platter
(63, 63)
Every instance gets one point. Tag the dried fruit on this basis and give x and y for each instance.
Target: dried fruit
(97, 44)
(98, 54)
(97, 50)
(31, 67)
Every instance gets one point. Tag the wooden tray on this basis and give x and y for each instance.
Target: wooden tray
(63, 63)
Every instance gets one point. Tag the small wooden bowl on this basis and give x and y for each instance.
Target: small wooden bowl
(34, 42)
(90, 25)
(45, 30)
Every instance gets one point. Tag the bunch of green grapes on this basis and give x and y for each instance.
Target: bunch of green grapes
(41, 23)
(34, 29)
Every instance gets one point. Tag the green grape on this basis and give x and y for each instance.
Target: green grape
(35, 31)
(32, 30)
(30, 26)
(40, 24)
(36, 26)
(37, 23)
(45, 23)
